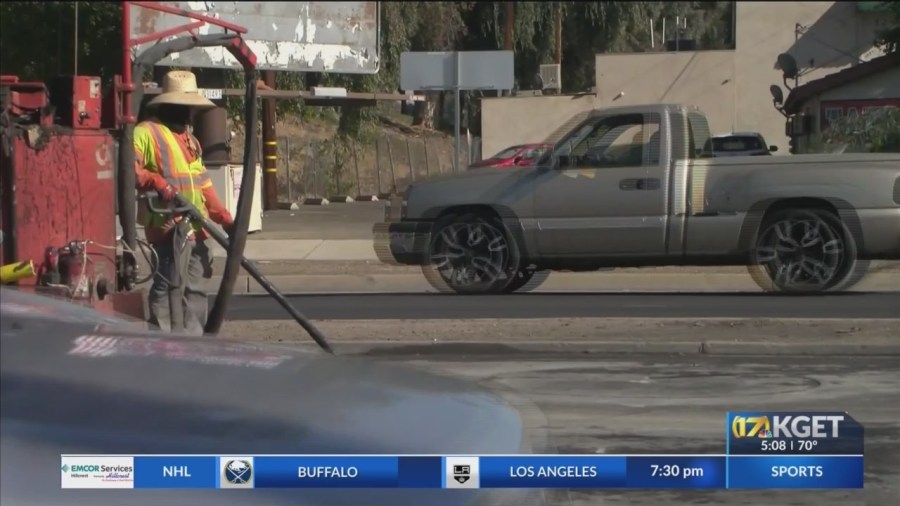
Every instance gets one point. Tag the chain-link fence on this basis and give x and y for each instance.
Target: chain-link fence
(327, 168)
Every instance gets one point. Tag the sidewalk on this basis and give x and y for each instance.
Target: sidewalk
(330, 249)
(305, 249)
(371, 276)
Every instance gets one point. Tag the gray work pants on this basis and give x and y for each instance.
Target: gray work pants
(196, 302)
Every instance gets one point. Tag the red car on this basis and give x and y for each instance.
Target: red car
(522, 155)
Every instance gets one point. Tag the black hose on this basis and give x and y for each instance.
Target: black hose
(125, 200)
(235, 248)
(220, 237)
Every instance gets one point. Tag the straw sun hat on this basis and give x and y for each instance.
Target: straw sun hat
(180, 88)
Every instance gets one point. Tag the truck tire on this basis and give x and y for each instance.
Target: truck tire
(805, 251)
(471, 254)
(527, 280)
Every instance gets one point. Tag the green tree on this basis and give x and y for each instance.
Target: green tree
(877, 131)
(38, 39)
(588, 28)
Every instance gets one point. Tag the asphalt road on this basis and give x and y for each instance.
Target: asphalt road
(669, 405)
(562, 305)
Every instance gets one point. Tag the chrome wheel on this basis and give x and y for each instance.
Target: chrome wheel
(803, 251)
(470, 254)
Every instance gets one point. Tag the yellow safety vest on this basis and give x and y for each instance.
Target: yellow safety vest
(158, 148)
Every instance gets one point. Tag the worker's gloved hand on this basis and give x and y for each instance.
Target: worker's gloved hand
(168, 193)
(228, 228)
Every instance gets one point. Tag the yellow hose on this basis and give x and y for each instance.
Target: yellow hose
(11, 273)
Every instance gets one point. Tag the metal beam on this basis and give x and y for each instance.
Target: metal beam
(310, 96)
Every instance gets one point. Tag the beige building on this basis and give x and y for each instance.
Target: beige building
(731, 86)
(851, 92)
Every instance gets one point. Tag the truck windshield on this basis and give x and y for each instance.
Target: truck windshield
(737, 143)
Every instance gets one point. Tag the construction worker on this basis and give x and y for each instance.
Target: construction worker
(168, 159)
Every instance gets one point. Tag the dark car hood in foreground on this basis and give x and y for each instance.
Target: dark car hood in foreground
(67, 388)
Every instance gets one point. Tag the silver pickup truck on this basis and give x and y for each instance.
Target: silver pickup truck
(636, 186)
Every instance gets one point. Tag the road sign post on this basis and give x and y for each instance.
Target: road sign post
(457, 71)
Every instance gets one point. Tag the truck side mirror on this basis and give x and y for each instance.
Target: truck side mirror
(773, 148)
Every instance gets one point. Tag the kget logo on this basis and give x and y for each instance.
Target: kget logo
(786, 426)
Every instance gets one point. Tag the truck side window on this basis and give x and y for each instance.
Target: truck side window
(629, 140)
(700, 135)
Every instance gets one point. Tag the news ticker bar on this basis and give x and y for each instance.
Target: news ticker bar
(465, 472)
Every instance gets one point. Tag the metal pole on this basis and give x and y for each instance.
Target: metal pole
(456, 114)
(559, 24)
(427, 166)
(287, 167)
(336, 172)
(677, 31)
(508, 26)
(76, 38)
(378, 167)
(316, 164)
(356, 167)
(412, 170)
(664, 35)
(270, 144)
(391, 162)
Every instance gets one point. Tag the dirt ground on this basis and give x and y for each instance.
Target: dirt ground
(690, 334)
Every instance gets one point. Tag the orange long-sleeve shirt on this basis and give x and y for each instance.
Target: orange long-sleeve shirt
(147, 180)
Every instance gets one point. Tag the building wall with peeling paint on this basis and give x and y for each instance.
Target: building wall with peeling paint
(339, 37)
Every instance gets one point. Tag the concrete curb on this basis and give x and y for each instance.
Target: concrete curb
(711, 348)
(619, 282)
(340, 199)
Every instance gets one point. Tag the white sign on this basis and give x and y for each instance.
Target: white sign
(212, 94)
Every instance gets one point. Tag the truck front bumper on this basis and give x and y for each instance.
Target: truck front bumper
(399, 241)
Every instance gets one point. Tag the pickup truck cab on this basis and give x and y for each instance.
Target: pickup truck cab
(637, 186)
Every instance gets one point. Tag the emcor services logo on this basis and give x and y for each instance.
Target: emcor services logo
(97, 471)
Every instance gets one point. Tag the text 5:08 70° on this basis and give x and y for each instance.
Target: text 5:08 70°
(781, 445)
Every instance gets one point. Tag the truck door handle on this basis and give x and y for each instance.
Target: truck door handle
(639, 184)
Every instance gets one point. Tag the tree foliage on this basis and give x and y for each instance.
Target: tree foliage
(38, 38)
(875, 131)
(889, 38)
(37, 41)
